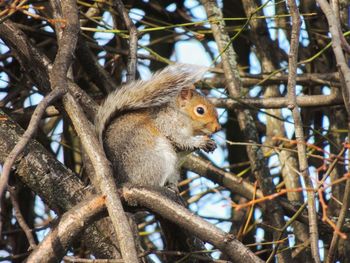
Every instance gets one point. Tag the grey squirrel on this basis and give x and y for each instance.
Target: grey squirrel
(146, 127)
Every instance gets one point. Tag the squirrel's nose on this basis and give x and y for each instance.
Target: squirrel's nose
(213, 127)
(217, 127)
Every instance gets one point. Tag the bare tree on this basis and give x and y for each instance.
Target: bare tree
(277, 188)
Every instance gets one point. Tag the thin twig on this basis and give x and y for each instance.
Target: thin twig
(342, 214)
(335, 6)
(32, 127)
(343, 211)
(293, 219)
(337, 49)
(338, 43)
(21, 221)
(244, 117)
(132, 58)
(299, 133)
(11, 11)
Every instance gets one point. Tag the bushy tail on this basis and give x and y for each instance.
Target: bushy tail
(161, 88)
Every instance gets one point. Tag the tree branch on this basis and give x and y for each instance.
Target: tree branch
(204, 230)
(32, 127)
(103, 179)
(342, 214)
(57, 186)
(71, 224)
(21, 221)
(334, 29)
(58, 79)
(279, 102)
(299, 133)
(244, 117)
(132, 58)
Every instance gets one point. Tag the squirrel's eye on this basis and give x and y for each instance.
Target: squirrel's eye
(200, 110)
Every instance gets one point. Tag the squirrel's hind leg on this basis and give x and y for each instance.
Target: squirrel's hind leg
(148, 166)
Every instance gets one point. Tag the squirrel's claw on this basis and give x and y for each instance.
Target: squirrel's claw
(210, 146)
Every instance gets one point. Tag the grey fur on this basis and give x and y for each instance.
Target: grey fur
(135, 156)
(153, 130)
(162, 87)
(138, 158)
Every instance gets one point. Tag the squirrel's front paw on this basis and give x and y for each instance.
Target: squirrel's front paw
(208, 145)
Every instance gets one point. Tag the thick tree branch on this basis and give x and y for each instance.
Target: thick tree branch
(236, 184)
(67, 38)
(26, 54)
(196, 225)
(71, 224)
(59, 78)
(32, 127)
(103, 179)
(57, 186)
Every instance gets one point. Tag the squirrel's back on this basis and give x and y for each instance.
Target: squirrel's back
(161, 88)
(139, 153)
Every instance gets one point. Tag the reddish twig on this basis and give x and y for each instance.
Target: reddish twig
(270, 197)
(312, 146)
(342, 214)
(285, 191)
(320, 192)
(10, 10)
(325, 218)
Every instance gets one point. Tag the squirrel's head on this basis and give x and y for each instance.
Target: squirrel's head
(202, 113)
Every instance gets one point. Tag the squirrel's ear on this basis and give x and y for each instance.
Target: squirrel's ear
(187, 93)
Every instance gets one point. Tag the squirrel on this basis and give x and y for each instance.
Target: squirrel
(147, 127)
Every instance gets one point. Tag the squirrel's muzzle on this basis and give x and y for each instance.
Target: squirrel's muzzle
(213, 127)
(218, 127)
